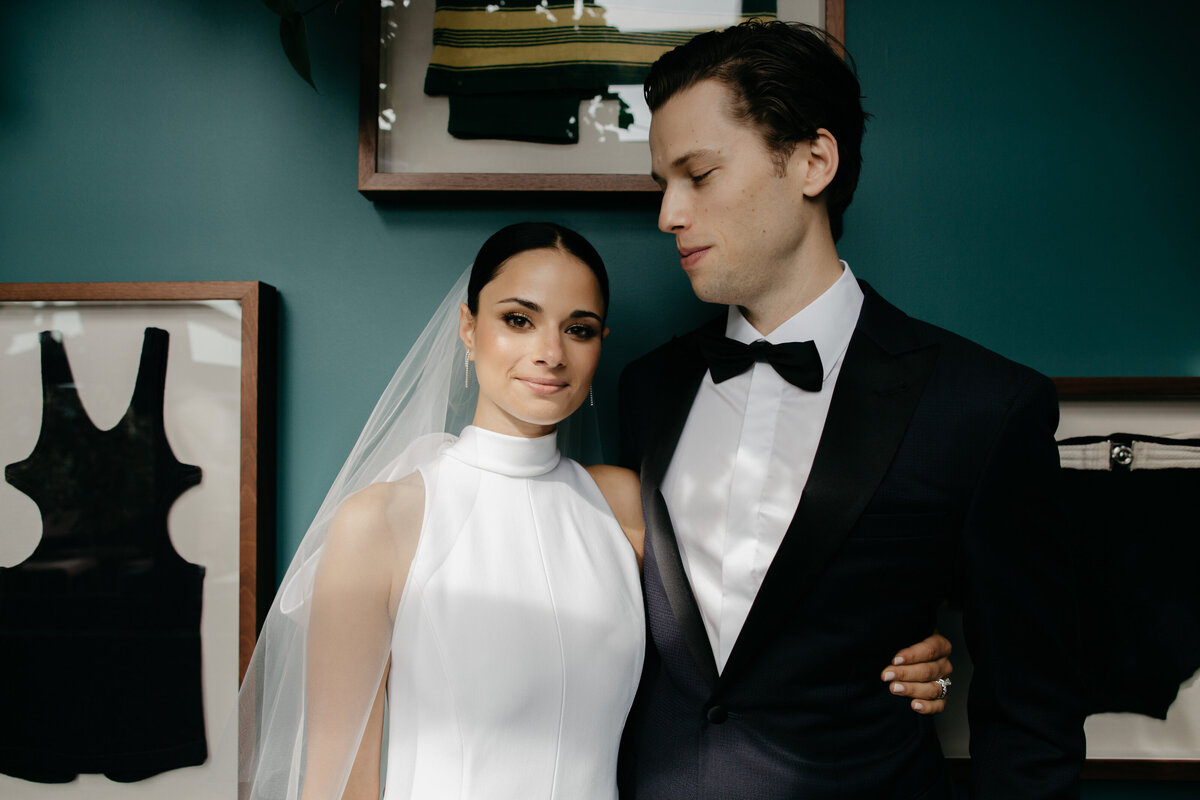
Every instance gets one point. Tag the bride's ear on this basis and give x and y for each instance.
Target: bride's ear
(466, 326)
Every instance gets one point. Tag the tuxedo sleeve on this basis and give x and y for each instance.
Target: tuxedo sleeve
(1020, 613)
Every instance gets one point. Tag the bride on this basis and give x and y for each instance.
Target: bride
(482, 587)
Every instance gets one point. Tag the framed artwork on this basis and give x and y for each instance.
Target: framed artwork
(403, 139)
(1125, 745)
(137, 436)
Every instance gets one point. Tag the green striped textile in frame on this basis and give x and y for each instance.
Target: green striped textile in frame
(519, 70)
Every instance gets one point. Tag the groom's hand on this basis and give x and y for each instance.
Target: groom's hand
(915, 670)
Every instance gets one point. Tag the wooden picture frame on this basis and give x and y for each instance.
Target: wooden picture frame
(219, 414)
(377, 184)
(1101, 406)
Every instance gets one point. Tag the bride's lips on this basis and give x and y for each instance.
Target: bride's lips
(688, 256)
(544, 385)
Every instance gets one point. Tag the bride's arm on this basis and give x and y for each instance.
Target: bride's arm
(363, 782)
(358, 583)
(623, 492)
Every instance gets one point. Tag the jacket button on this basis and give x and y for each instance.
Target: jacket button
(716, 715)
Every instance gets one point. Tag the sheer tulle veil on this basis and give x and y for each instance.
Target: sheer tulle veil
(424, 405)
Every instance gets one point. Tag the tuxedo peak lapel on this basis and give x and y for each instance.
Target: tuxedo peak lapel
(876, 395)
(886, 325)
(676, 388)
(665, 548)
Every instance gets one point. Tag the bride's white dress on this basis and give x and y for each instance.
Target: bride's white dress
(519, 637)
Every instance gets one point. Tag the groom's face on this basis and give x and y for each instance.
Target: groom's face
(736, 211)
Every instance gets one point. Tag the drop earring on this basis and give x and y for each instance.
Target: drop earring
(467, 370)
(591, 398)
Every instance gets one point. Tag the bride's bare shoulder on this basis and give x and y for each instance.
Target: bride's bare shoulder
(622, 490)
(383, 513)
(373, 538)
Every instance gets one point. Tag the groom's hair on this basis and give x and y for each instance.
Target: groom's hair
(787, 80)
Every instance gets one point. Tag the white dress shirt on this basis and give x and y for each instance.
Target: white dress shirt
(743, 459)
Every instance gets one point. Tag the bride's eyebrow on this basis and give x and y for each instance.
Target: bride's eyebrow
(537, 309)
(529, 304)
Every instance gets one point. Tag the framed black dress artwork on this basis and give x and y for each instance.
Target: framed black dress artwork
(133, 532)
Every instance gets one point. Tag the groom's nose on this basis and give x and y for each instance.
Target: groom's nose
(673, 215)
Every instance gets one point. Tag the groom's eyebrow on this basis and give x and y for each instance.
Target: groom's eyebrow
(683, 162)
(537, 309)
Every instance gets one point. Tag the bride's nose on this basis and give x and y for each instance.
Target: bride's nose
(549, 350)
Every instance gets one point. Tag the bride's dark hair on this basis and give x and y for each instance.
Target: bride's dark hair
(523, 236)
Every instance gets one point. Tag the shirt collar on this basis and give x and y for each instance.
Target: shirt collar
(828, 321)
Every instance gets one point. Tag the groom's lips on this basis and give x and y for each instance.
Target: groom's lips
(689, 256)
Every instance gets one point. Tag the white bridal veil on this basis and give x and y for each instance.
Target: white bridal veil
(425, 399)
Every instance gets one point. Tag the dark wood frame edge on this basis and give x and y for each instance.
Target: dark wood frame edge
(1108, 388)
(256, 535)
(384, 185)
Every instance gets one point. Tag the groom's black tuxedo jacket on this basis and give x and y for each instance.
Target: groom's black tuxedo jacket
(935, 478)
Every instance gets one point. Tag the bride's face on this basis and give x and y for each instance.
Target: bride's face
(535, 342)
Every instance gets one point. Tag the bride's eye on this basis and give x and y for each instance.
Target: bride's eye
(517, 320)
(582, 331)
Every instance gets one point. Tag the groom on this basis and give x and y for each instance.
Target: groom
(810, 501)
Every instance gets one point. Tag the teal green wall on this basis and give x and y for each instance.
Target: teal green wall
(1028, 182)
(1030, 176)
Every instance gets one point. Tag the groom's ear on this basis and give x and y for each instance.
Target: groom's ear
(466, 326)
(815, 163)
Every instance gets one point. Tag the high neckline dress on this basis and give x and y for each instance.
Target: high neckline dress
(519, 638)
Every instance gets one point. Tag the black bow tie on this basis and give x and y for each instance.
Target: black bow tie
(798, 363)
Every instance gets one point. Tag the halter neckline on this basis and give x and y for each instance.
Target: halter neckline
(515, 456)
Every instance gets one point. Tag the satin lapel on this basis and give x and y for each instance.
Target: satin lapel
(875, 397)
(676, 390)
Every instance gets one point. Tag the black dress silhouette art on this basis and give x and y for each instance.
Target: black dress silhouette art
(100, 626)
